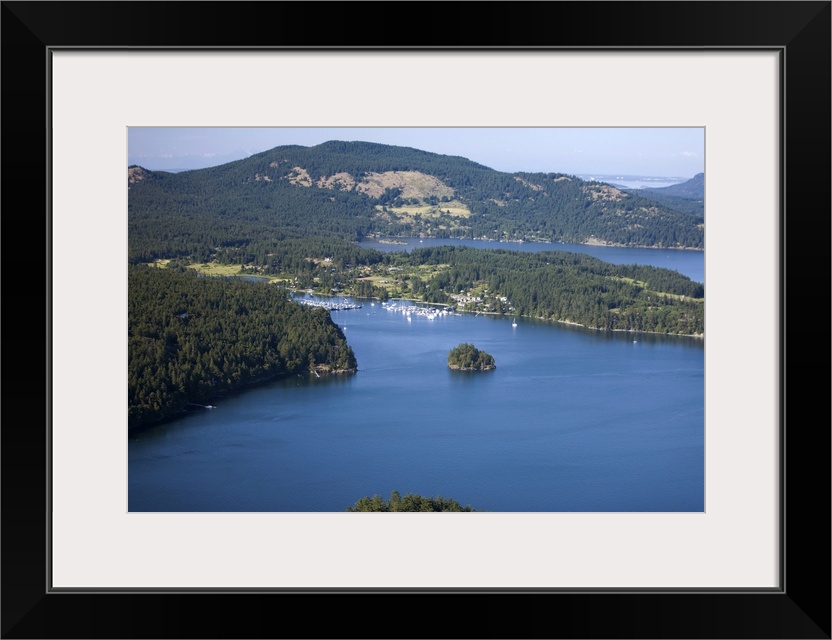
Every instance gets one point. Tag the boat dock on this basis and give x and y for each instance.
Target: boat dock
(329, 304)
(413, 310)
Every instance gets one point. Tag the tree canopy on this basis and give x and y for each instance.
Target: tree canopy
(408, 502)
(191, 338)
(466, 357)
(295, 212)
(283, 213)
(352, 190)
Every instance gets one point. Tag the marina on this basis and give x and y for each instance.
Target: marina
(331, 305)
(413, 310)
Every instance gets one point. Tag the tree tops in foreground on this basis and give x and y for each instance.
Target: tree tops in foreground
(408, 502)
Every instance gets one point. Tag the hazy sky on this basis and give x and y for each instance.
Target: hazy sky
(660, 151)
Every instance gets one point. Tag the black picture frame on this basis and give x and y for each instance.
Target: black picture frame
(800, 608)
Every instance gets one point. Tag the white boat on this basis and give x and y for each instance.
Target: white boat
(514, 322)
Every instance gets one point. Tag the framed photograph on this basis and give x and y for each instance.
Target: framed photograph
(79, 77)
(499, 393)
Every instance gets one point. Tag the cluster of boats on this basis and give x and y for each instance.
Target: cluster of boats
(332, 305)
(410, 310)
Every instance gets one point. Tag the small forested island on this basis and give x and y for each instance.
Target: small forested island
(408, 502)
(466, 357)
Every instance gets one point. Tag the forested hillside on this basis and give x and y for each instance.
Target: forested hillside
(568, 287)
(687, 197)
(191, 338)
(693, 189)
(292, 215)
(351, 190)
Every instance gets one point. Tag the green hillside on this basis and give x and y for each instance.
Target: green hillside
(687, 197)
(292, 215)
(352, 190)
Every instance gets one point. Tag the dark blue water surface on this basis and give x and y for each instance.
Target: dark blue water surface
(688, 263)
(570, 420)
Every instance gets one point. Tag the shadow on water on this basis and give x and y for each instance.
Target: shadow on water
(282, 382)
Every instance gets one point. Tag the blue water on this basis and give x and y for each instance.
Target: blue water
(634, 182)
(570, 420)
(688, 263)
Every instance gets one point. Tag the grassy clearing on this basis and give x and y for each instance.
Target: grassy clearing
(633, 281)
(393, 280)
(378, 281)
(664, 294)
(215, 269)
(674, 296)
(428, 271)
(413, 184)
(454, 208)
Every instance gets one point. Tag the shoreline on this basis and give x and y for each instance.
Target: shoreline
(585, 243)
(699, 336)
(193, 407)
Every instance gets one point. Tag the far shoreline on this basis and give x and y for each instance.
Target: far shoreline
(699, 336)
(404, 241)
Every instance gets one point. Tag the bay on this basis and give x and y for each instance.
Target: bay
(688, 263)
(571, 420)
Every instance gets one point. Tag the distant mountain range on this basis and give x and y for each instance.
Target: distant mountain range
(352, 190)
(688, 197)
(189, 162)
(693, 189)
